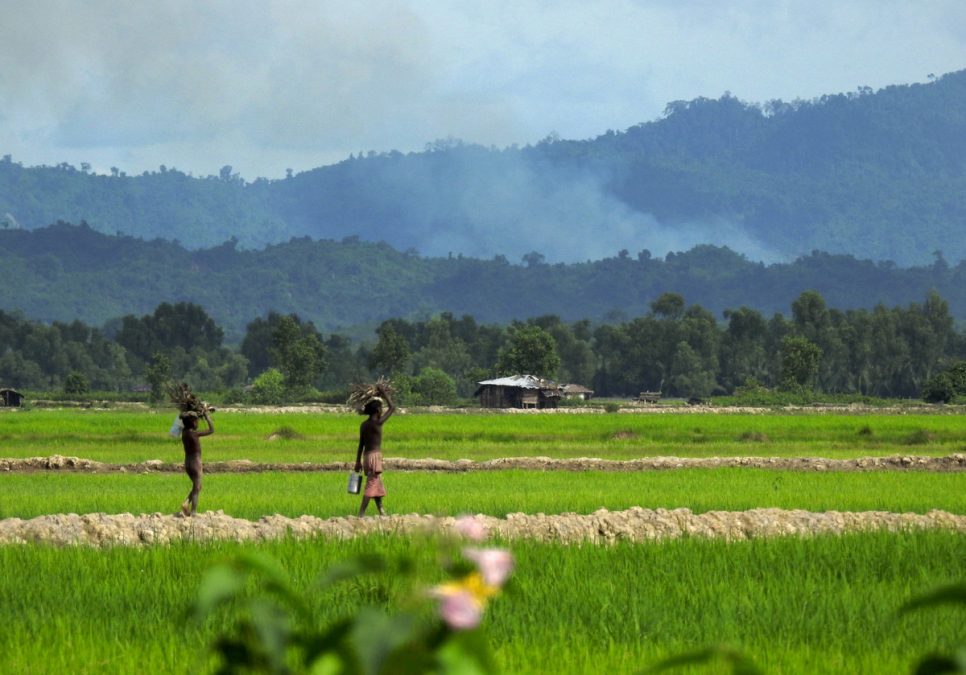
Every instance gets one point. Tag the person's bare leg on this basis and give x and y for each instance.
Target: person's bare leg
(193, 495)
(190, 505)
(379, 506)
(363, 507)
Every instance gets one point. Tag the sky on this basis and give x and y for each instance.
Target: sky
(273, 85)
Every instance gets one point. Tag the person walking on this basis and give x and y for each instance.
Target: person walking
(369, 453)
(191, 439)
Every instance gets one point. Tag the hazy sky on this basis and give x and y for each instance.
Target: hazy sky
(269, 85)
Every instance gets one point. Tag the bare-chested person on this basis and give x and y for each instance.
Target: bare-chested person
(191, 439)
(369, 454)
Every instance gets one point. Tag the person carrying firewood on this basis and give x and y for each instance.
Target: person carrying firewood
(192, 409)
(369, 452)
(191, 439)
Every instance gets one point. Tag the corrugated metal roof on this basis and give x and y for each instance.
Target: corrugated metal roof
(522, 381)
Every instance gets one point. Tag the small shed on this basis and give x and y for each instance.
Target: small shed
(576, 391)
(10, 398)
(518, 391)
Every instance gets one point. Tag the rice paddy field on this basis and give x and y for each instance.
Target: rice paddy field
(123, 436)
(825, 604)
(494, 493)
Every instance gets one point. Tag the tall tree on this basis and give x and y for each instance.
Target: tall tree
(158, 375)
(800, 361)
(391, 353)
(529, 349)
(298, 352)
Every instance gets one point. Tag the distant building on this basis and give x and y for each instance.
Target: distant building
(577, 391)
(10, 398)
(518, 391)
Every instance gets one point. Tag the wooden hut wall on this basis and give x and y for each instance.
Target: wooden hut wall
(547, 401)
(492, 396)
(10, 398)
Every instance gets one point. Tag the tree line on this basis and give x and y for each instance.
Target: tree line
(675, 348)
(65, 272)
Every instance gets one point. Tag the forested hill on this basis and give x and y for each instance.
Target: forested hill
(65, 272)
(875, 174)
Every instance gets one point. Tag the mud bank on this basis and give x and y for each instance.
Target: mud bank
(600, 527)
(955, 462)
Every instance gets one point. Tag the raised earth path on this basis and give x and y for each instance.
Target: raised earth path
(955, 462)
(600, 527)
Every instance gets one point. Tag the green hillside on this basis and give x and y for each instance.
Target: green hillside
(66, 272)
(880, 175)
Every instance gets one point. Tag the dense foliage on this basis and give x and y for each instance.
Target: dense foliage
(678, 349)
(64, 272)
(881, 174)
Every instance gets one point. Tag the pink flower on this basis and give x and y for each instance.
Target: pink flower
(460, 609)
(470, 527)
(495, 564)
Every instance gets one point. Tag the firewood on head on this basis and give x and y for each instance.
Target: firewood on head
(360, 395)
(187, 401)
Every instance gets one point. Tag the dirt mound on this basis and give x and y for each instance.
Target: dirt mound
(955, 462)
(600, 527)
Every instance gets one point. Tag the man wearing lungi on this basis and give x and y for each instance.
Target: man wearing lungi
(369, 454)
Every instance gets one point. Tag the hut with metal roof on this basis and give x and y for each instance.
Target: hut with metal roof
(518, 391)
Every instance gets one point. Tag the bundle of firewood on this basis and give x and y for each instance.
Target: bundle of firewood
(361, 394)
(187, 402)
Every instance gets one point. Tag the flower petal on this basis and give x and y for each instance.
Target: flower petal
(495, 564)
(470, 527)
(460, 610)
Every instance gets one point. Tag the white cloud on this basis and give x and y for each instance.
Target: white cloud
(268, 85)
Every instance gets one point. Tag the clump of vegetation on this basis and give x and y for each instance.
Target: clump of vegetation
(76, 384)
(285, 433)
(572, 403)
(866, 431)
(946, 386)
(919, 437)
(269, 387)
(754, 393)
(754, 437)
(275, 630)
(612, 407)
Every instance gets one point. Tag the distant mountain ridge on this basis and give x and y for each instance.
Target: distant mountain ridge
(66, 272)
(880, 175)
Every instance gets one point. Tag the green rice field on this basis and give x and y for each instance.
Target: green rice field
(132, 436)
(823, 604)
(495, 493)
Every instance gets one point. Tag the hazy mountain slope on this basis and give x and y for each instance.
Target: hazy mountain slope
(880, 175)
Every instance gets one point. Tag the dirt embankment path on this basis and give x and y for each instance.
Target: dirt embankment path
(600, 527)
(955, 462)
